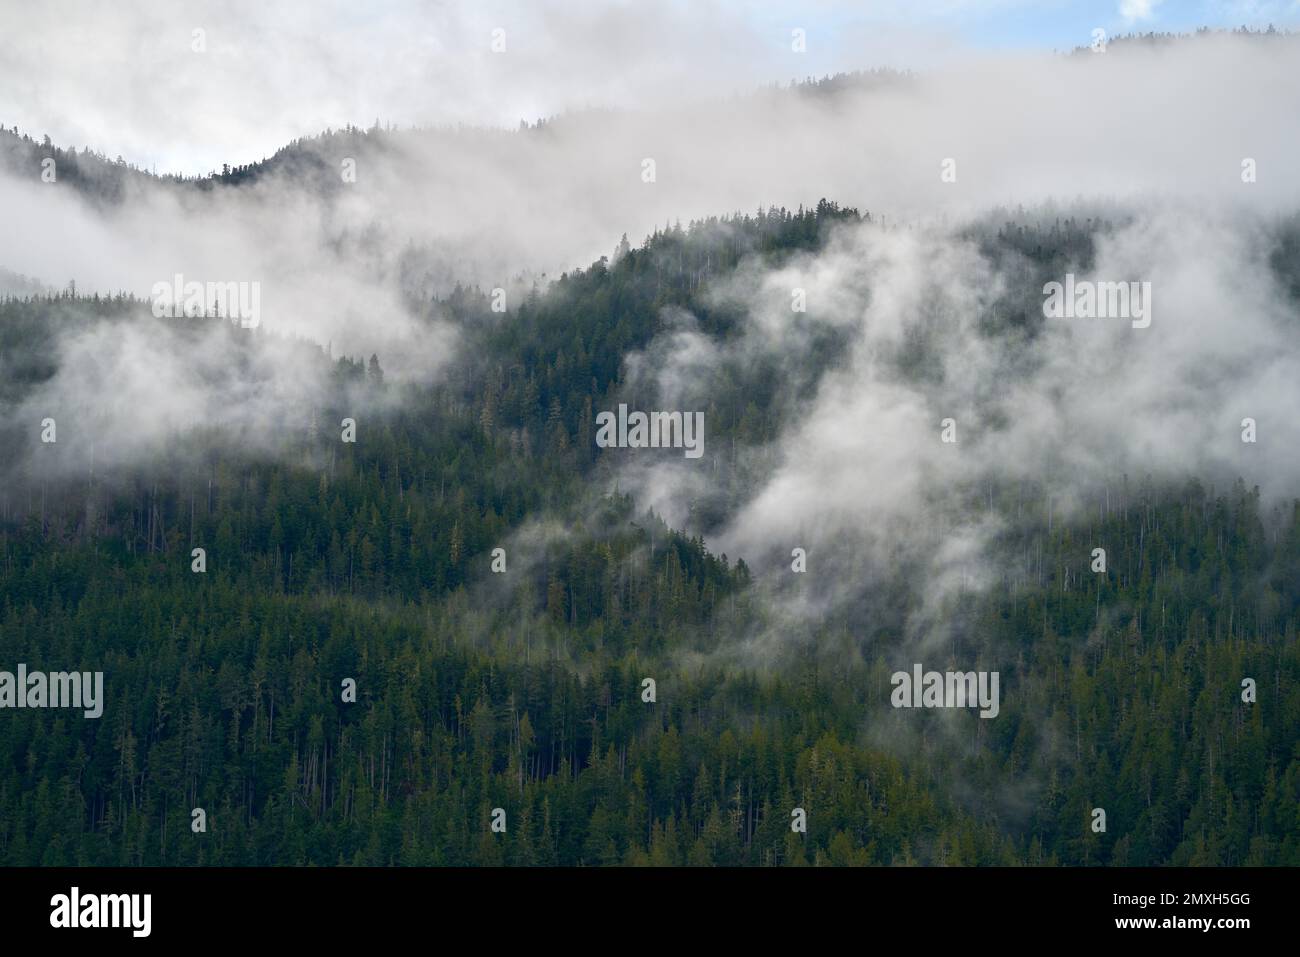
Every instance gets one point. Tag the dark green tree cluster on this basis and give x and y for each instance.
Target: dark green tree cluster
(526, 691)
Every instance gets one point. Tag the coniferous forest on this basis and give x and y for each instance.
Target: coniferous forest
(371, 580)
(369, 561)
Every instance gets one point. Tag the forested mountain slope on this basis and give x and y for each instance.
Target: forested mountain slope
(524, 690)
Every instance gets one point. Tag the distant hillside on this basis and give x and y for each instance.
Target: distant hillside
(107, 180)
(16, 284)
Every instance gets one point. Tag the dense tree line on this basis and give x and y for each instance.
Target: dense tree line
(526, 691)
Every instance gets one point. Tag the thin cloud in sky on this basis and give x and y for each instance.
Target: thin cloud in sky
(1135, 10)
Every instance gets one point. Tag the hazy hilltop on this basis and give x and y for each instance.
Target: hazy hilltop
(13, 284)
(313, 162)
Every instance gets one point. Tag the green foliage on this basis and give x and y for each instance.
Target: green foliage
(371, 561)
